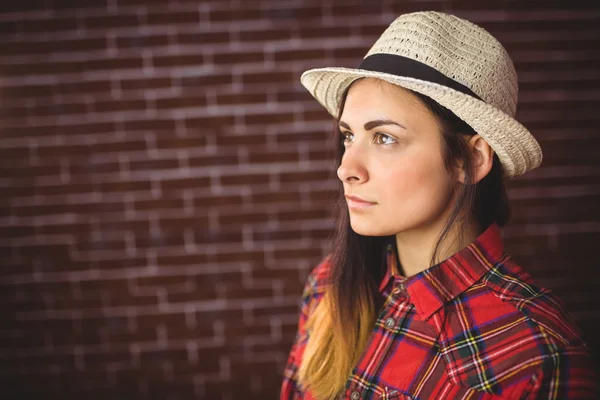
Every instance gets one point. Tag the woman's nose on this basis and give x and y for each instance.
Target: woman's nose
(352, 168)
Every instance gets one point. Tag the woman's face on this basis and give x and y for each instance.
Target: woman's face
(392, 161)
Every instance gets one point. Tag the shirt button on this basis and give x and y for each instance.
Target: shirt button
(400, 289)
(389, 323)
(355, 395)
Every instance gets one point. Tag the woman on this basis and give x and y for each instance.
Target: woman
(418, 299)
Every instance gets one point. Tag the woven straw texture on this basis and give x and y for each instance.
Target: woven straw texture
(463, 52)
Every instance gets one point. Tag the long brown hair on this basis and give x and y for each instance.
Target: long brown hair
(342, 322)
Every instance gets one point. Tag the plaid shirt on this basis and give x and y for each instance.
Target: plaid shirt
(472, 327)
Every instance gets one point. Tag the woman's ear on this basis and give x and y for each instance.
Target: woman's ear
(482, 156)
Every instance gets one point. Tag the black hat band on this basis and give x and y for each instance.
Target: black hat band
(403, 66)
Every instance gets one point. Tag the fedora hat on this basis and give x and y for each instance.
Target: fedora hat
(456, 63)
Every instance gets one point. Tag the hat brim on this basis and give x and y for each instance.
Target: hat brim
(515, 146)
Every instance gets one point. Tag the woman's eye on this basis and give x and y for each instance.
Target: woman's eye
(347, 137)
(382, 138)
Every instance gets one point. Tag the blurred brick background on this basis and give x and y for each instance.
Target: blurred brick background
(166, 183)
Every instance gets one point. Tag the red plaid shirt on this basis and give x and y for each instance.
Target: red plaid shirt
(473, 327)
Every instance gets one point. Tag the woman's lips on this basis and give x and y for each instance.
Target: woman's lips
(357, 203)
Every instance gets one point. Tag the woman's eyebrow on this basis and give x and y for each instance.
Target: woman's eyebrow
(373, 124)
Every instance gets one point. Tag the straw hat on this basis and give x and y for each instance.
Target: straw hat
(456, 63)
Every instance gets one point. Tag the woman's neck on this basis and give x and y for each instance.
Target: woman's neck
(415, 247)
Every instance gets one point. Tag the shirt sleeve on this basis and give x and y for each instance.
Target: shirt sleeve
(290, 389)
(568, 373)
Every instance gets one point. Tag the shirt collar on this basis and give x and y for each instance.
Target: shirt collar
(429, 290)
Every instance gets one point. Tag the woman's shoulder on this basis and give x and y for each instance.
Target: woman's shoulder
(508, 323)
(539, 305)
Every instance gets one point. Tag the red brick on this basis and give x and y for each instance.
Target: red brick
(123, 263)
(189, 101)
(294, 96)
(173, 142)
(145, 83)
(205, 201)
(204, 236)
(15, 113)
(173, 18)
(306, 13)
(182, 260)
(98, 148)
(180, 223)
(150, 125)
(74, 129)
(267, 119)
(295, 55)
(42, 110)
(315, 115)
(355, 53)
(302, 254)
(110, 21)
(242, 98)
(83, 166)
(272, 156)
(157, 204)
(20, 157)
(184, 183)
(245, 256)
(277, 197)
(203, 38)
(372, 30)
(268, 235)
(317, 136)
(262, 35)
(212, 280)
(237, 330)
(323, 196)
(342, 10)
(54, 24)
(203, 293)
(205, 161)
(63, 45)
(232, 14)
(236, 58)
(124, 186)
(123, 225)
(268, 77)
(245, 179)
(311, 31)
(163, 239)
(159, 164)
(87, 87)
(240, 140)
(303, 176)
(141, 41)
(236, 290)
(242, 218)
(176, 60)
(119, 105)
(303, 215)
(203, 123)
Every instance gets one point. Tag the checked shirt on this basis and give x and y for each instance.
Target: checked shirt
(474, 326)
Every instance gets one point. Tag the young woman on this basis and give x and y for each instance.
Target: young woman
(418, 299)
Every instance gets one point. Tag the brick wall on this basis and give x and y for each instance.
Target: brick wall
(166, 184)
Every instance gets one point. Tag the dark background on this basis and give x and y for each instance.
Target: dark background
(166, 186)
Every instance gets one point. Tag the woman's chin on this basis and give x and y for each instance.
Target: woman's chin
(365, 228)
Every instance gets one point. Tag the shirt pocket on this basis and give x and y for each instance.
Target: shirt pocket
(476, 369)
(489, 346)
